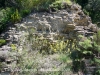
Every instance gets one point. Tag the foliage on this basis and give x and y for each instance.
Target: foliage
(59, 4)
(85, 44)
(46, 46)
(24, 12)
(89, 50)
(97, 53)
(28, 4)
(1, 66)
(3, 19)
(65, 58)
(15, 16)
(2, 42)
(8, 15)
(44, 5)
(97, 37)
(92, 8)
(13, 47)
(85, 11)
(83, 3)
(78, 63)
(1, 15)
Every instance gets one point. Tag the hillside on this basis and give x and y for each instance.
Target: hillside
(56, 38)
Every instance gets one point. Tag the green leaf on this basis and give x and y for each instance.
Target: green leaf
(85, 52)
(97, 60)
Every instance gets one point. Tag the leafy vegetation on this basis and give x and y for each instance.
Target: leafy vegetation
(86, 50)
(92, 8)
(15, 17)
(8, 15)
(59, 4)
(2, 42)
(13, 47)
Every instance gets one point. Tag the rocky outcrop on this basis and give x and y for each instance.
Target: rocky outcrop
(9, 55)
(67, 23)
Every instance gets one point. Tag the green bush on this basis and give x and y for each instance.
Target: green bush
(8, 15)
(13, 47)
(34, 4)
(97, 37)
(24, 12)
(58, 4)
(2, 42)
(15, 16)
(3, 19)
(86, 50)
(42, 4)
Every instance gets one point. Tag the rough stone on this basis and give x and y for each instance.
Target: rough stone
(63, 21)
(67, 23)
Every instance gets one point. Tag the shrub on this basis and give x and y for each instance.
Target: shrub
(59, 4)
(3, 19)
(8, 15)
(13, 47)
(24, 12)
(2, 42)
(97, 37)
(15, 16)
(41, 5)
(86, 50)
